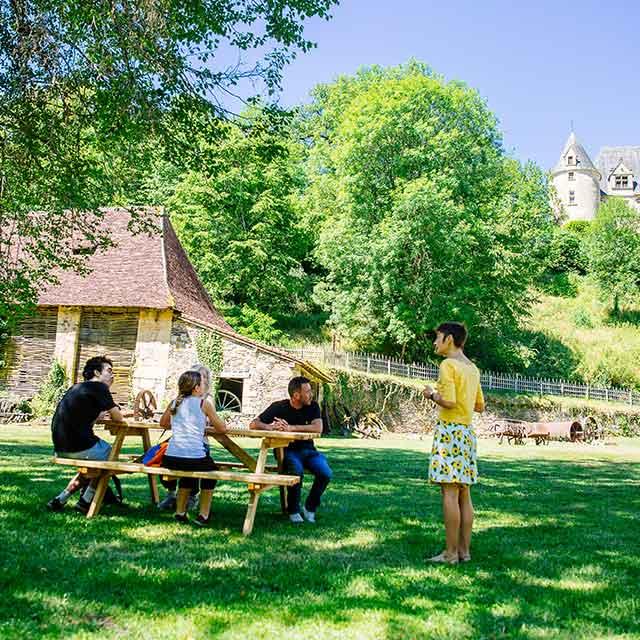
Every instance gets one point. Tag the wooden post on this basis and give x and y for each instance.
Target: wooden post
(368, 364)
(389, 367)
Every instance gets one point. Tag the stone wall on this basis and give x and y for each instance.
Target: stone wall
(264, 376)
(152, 351)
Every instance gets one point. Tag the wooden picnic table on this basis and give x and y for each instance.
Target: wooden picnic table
(251, 470)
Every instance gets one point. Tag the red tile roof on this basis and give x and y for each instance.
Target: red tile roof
(148, 270)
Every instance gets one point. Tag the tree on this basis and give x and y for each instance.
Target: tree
(83, 86)
(615, 251)
(421, 216)
(239, 222)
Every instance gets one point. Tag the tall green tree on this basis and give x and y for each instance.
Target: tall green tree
(420, 215)
(82, 87)
(240, 222)
(615, 252)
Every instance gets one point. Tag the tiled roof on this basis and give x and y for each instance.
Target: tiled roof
(148, 270)
(608, 159)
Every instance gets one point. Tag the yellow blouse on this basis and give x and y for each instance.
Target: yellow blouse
(459, 382)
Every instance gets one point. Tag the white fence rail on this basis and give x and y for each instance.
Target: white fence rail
(372, 363)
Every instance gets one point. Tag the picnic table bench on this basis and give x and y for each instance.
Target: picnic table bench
(253, 472)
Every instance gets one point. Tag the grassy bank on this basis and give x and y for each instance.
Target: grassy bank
(556, 554)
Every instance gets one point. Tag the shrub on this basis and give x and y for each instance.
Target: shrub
(53, 388)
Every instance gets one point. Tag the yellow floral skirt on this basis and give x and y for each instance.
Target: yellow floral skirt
(453, 454)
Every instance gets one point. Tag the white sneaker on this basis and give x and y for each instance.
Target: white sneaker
(309, 516)
(296, 518)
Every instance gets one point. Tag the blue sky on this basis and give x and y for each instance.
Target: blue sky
(539, 65)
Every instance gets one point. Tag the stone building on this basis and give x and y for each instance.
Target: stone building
(582, 184)
(142, 305)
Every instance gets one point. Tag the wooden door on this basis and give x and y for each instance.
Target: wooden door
(112, 334)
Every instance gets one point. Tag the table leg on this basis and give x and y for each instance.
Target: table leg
(255, 490)
(279, 451)
(103, 482)
(153, 480)
(236, 450)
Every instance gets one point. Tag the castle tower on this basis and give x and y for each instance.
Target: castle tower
(577, 182)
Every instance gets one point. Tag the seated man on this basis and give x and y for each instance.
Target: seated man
(299, 413)
(72, 426)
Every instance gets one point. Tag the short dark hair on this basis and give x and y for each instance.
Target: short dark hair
(456, 330)
(94, 364)
(295, 384)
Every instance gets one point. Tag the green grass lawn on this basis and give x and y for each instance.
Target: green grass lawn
(556, 552)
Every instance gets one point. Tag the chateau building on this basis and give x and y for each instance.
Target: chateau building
(582, 184)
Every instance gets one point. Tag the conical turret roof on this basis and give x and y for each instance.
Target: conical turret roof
(583, 161)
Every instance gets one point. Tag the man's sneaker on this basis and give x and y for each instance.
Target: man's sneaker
(82, 505)
(55, 505)
(168, 504)
(192, 502)
(183, 518)
(296, 518)
(309, 516)
(201, 521)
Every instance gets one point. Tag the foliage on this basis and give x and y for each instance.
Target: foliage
(544, 527)
(254, 324)
(422, 218)
(210, 352)
(354, 397)
(615, 252)
(46, 400)
(239, 221)
(578, 339)
(89, 89)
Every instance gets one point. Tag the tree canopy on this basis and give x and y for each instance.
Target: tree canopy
(615, 251)
(83, 87)
(421, 216)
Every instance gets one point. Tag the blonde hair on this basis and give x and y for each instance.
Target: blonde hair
(187, 382)
(206, 376)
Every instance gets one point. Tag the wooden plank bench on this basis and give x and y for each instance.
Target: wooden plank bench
(256, 482)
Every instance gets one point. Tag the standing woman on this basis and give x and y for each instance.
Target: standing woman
(453, 455)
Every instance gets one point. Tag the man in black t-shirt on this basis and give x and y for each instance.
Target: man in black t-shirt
(299, 413)
(72, 426)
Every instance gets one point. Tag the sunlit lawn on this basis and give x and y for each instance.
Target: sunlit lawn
(556, 552)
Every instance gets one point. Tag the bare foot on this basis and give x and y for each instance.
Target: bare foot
(444, 558)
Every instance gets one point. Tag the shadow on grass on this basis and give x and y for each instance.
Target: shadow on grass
(555, 549)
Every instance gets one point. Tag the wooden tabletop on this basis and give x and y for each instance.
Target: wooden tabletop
(114, 426)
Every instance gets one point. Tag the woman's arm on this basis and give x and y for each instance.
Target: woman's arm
(435, 397)
(165, 421)
(215, 421)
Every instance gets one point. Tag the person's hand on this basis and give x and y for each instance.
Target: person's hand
(428, 392)
(280, 425)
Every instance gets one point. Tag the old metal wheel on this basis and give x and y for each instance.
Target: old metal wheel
(145, 405)
(227, 401)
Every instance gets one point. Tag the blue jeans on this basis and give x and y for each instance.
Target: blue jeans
(295, 463)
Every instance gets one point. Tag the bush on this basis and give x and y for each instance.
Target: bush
(45, 401)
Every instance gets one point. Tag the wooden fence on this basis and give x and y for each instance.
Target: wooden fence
(373, 363)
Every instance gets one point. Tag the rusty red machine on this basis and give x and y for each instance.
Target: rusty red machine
(517, 431)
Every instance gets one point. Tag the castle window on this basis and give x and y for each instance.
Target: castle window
(572, 175)
(572, 197)
(622, 182)
(571, 160)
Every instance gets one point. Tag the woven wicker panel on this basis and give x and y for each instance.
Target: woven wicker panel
(29, 353)
(112, 334)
